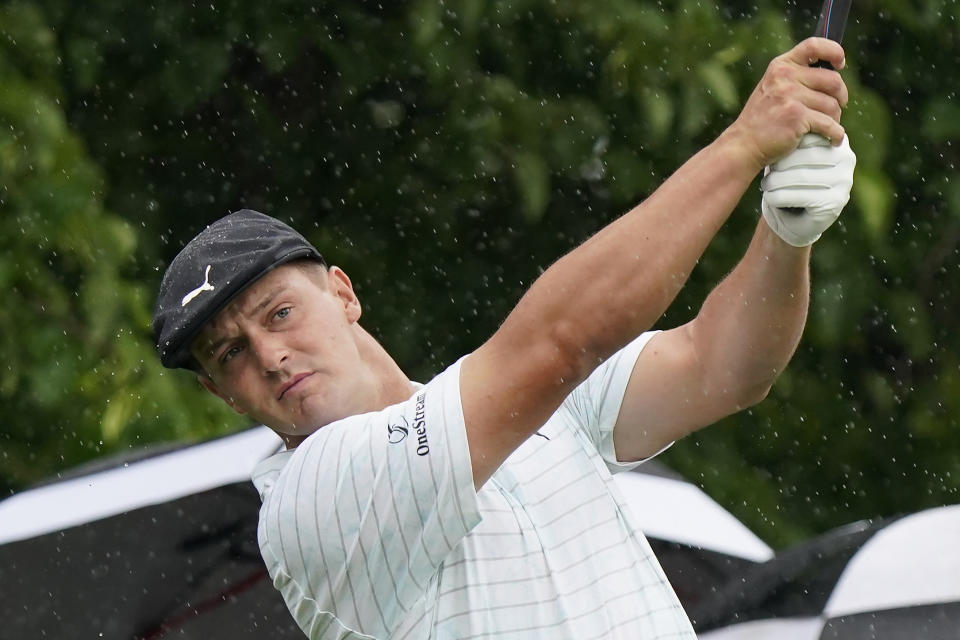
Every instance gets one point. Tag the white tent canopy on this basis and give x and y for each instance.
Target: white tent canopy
(667, 508)
(152, 481)
(896, 579)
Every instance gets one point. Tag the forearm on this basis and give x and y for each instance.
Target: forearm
(594, 301)
(618, 283)
(750, 325)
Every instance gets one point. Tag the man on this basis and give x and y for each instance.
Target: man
(481, 505)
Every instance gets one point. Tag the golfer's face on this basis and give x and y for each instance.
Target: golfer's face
(285, 352)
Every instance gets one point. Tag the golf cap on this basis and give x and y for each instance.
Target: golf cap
(214, 268)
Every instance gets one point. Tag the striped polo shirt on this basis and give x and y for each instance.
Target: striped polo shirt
(371, 528)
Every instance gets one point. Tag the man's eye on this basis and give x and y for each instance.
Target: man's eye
(282, 313)
(229, 353)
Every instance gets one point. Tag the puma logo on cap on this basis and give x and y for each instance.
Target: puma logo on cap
(206, 286)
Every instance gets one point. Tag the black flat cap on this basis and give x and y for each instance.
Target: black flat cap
(216, 266)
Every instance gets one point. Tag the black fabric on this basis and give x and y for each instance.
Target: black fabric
(186, 569)
(928, 622)
(229, 255)
(797, 582)
(697, 574)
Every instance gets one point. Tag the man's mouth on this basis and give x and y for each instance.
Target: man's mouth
(293, 382)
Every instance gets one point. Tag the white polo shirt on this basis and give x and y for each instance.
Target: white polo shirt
(371, 528)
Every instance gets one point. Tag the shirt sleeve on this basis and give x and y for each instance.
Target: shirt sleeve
(365, 512)
(595, 404)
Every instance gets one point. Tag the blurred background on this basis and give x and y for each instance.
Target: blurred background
(444, 153)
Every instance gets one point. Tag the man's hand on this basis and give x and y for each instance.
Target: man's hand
(805, 192)
(791, 100)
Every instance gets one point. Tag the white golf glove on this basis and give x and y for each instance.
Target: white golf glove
(804, 192)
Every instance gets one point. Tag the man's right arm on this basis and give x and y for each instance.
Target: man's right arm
(617, 284)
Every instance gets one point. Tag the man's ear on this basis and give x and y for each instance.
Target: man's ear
(340, 286)
(210, 386)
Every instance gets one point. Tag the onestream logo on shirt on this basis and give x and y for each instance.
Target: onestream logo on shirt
(420, 425)
(397, 433)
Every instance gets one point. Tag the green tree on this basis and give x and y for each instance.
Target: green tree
(78, 378)
(445, 152)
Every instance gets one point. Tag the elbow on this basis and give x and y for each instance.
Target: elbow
(542, 359)
(736, 396)
(754, 389)
(754, 395)
(572, 359)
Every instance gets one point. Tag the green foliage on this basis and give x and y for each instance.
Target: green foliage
(444, 153)
(79, 377)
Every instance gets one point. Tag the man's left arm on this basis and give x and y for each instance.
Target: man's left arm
(727, 358)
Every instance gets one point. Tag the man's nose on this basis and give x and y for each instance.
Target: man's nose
(270, 351)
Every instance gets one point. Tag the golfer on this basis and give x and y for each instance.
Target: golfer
(481, 504)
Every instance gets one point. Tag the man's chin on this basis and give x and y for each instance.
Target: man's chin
(314, 415)
(299, 430)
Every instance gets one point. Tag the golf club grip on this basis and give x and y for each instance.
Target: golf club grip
(833, 21)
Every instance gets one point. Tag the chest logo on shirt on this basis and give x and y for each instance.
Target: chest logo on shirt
(420, 425)
(397, 432)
